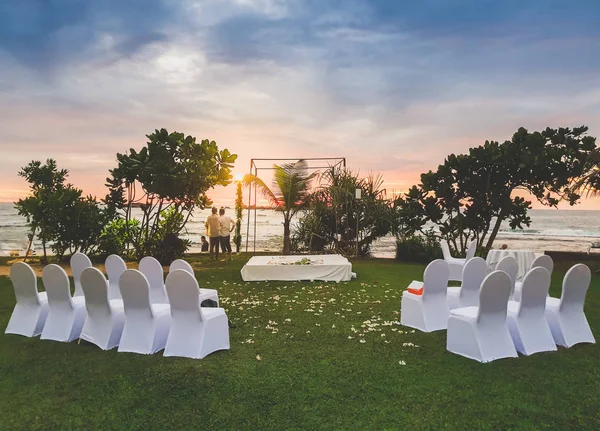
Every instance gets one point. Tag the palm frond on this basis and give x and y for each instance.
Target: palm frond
(263, 189)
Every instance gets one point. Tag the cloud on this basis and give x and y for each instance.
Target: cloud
(393, 86)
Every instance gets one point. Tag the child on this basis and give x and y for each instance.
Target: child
(204, 243)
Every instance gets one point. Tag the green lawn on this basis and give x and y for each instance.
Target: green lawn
(332, 356)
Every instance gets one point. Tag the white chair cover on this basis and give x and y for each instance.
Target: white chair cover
(146, 325)
(31, 309)
(456, 264)
(526, 321)
(481, 333)
(204, 293)
(115, 266)
(467, 294)
(67, 315)
(543, 261)
(79, 262)
(428, 312)
(509, 265)
(181, 264)
(195, 331)
(105, 319)
(153, 271)
(565, 316)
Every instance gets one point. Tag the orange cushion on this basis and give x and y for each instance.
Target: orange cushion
(415, 291)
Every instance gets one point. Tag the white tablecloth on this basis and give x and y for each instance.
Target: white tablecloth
(330, 267)
(524, 259)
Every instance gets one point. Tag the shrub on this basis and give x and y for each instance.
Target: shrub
(419, 248)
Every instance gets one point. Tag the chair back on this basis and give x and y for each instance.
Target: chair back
(473, 274)
(24, 283)
(56, 283)
(435, 278)
(493, 298)
(471, 249)
(535, 290)
(181, 264)
(135, 291)
(445, 249)
(544, 261)
(509, 265)
(153, 271)
(183, 292)
(79, 262)
(115, 266)
(95, 291)
(574, 289)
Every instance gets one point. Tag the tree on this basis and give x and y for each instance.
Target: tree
(288, 194)
(239, 207)
(58, 212)
(172, 172)
(331, 220)
(470, 195)
(589, 183)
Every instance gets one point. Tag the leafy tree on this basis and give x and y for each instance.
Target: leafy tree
(172, 172)
(589, 183)
(239, 207)
(288, 193)
(331, 221)
(470, 195)
(57, 212)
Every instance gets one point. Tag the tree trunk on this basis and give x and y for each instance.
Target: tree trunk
(499, 220)
(286, 236)
(45, 258)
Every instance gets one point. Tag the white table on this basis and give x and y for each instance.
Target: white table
(329, 267)
(524, 258)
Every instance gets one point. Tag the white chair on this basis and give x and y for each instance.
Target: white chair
(115, 266)
(67, 315)
(31, 309)
(526, 321)
(429, 311)
(204, 293)
(509, 265)
(195, 331)
(79, 262)
(565, 315)
(467, 294)
(153, 271)
(146, 325)
(481, 333)
(543, 261)
(105, 318)
(456, 264)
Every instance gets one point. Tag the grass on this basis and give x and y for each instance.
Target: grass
(314, 372)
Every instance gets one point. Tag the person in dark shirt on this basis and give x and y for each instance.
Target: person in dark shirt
(204, 243)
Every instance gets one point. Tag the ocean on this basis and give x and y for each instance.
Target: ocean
(558, 230)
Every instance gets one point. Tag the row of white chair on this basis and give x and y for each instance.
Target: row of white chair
(149, 266)
(470, 326)
(182, 327)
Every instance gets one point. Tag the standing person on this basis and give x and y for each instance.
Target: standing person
(212, 230)
(226, 225)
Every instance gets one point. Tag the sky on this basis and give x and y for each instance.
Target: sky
(393, 86)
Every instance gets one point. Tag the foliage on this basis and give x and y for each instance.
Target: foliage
(58, 213)
(420, 248)
(331, 221)
(172, 172)
(589, 183)
(470, 195)
(166, 245)
(116, 235)
(289, 192)
(239, 206)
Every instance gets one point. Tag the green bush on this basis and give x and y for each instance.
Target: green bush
(418, 248)
(116, 235)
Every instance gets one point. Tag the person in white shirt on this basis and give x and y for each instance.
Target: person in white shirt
(226, 225)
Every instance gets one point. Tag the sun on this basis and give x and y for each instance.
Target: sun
(238, 177)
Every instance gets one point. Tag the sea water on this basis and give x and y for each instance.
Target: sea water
(564, 230)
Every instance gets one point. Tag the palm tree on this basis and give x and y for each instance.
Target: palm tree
(288, 193)
(589, 183)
